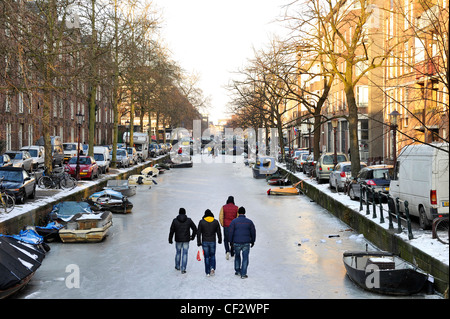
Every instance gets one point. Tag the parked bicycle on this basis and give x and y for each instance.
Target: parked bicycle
(7, 202)
(440, 229)
(58, 179)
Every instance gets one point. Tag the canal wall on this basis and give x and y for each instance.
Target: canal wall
(383, 238)
(37, 216)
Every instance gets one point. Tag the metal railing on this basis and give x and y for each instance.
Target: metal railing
(371, 197)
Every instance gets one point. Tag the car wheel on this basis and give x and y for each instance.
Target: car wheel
(423, 219)
(21, 197)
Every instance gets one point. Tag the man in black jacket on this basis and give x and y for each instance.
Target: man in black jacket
(208, 228)
(181, 226)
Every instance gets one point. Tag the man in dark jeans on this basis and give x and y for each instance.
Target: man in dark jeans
(181, 227)
(242, 234)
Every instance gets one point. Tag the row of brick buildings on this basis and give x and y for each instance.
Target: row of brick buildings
(413, 81)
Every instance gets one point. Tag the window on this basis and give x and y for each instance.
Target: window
(362, 95)
(419, 50)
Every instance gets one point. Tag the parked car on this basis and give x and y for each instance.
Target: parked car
(308, 165)
(377, 176)
(101, 156)
(341, 174)
(18, 183)
(5, 160)
(132, 154)
(21, 159)
(422, 177)
(37, 154)
(300, 158)
(122, 158)
(88, 167)
(325, 165)
(153, 150)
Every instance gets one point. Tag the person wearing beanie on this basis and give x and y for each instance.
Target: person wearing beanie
(242, 234)
(228, 212)
(181, 227)
(208, 229)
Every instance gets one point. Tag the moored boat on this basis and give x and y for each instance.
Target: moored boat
(122, 186)
(285, 191)
(87, 228)
(384, 273)
(150, 171)
(263, 167)
(81, 224)
(110, 200)
(18, 263)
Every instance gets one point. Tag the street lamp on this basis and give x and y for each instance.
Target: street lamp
(393, 126)
(334, 124)
(80, 118)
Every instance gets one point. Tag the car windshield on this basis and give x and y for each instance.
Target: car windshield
(70, 147)
(304, 156)
(15, 155)
(11, 176)
(121, 152)
(83, 160)
(99, 157)
(33, 152)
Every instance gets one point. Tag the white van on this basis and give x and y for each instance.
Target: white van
(422, 177)
(37, 154)
(101, 156)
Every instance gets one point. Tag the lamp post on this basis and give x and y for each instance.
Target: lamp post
(80, 118)
(334, 124)
(393, 126)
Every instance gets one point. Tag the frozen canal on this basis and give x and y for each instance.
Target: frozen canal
(293, 256)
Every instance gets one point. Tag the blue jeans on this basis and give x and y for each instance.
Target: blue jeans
(209, 249)
(181, 246)
(239, 267)
(226, 241)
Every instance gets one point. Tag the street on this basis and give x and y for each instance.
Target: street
(294, 256)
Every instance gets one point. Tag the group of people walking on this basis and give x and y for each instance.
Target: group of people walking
(239, 235)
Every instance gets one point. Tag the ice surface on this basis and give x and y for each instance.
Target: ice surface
(289, 259)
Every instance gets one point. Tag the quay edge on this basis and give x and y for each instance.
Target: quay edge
(383, 238)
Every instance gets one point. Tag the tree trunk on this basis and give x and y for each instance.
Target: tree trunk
(353, 130)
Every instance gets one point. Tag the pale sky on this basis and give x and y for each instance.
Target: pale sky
(215, 37)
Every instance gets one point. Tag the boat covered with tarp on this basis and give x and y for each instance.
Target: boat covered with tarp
(30, 236)
(19, 261)
(81, 224)
(110, 200)
(49, 232)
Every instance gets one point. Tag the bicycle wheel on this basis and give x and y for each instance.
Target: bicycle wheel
(68, 183)
(46, 182)
(441, 230)
(7, 203)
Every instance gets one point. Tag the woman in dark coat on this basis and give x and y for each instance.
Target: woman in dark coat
(208, 228)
